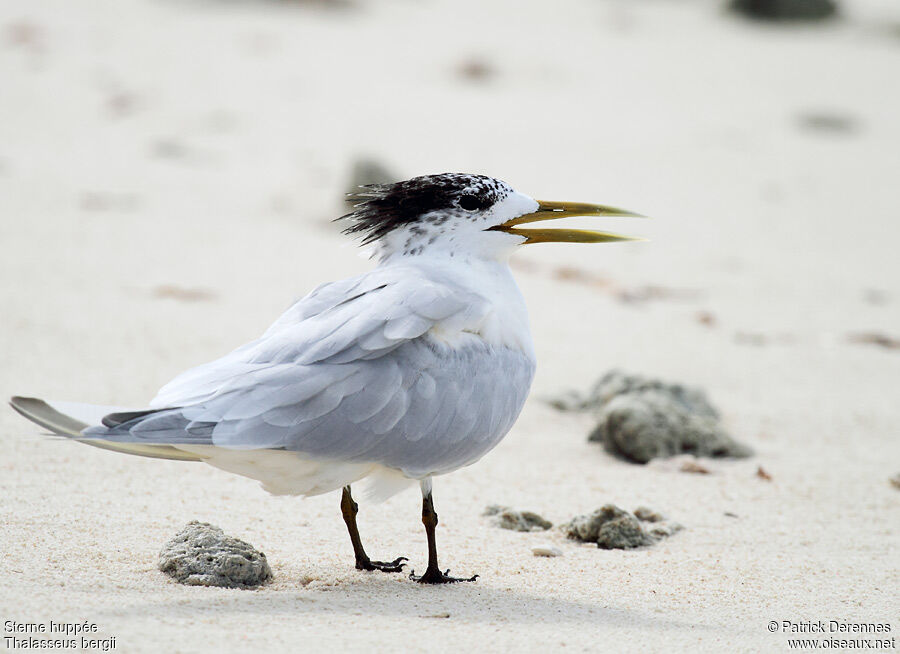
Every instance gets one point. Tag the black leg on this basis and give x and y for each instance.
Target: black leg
(349, 509)
(433, 574)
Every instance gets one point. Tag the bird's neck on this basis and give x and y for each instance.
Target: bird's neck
(506, 324)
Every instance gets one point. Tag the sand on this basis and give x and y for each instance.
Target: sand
(167, 174)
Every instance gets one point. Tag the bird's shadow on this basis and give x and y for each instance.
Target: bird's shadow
(388, 596)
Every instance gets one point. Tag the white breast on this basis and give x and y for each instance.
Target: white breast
(506, 322)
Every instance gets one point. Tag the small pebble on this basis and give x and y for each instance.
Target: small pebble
(694, 467)
(613, 528)
(508, 518)
(546, 550)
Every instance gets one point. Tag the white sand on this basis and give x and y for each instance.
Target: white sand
(203, 145)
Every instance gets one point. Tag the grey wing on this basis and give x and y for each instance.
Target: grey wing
(460, 403)
(425, 408)
(349, 373)
(362, 317)
(240, 366)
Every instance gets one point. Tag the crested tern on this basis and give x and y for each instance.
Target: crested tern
(412, 370)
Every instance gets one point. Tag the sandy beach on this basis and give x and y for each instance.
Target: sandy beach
(168, 174)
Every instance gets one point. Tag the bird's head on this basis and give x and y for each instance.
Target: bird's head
(457, 213)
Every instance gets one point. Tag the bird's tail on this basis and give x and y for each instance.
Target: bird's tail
(61, 420)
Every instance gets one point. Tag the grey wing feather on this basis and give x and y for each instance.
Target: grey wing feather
(351, 372)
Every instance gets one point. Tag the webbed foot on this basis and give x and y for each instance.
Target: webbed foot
(435, 576)
(385, 566)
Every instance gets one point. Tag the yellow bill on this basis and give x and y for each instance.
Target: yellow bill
(556, 210)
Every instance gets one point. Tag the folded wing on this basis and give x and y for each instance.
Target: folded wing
(356, 371)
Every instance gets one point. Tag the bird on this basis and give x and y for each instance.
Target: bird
(409, 371)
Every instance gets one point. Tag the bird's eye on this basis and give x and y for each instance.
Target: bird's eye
(470, 202)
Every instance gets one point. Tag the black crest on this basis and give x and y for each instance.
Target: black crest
(385, 207)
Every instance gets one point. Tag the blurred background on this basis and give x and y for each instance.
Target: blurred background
(194, 151)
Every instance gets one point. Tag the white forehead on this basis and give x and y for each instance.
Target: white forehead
(514, 204)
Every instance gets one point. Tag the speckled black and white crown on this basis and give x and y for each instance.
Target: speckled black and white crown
(432, 199)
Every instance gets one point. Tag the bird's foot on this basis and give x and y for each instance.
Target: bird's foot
(435, 576)
(385, 566)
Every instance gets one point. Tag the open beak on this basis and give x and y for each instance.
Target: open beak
(554, 210)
